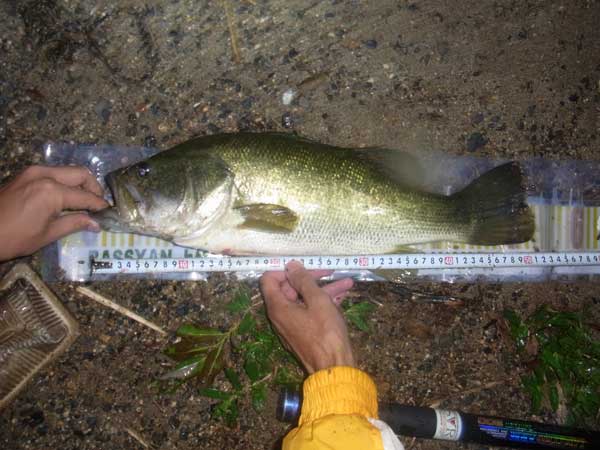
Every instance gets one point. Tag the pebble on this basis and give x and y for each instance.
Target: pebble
(371, 43)
(182, 310)
(42, 113)
(150, 141)
(184, 433)
(33, 417)
(477, 118)
(103, 109)
(286, 120)
(247, 102)
(288, 96)
(476, 141)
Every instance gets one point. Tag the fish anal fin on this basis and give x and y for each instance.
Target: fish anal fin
(403, 249)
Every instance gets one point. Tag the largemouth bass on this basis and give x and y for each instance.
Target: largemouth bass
(277, 194)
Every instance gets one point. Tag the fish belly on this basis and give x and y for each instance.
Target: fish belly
(321, 238)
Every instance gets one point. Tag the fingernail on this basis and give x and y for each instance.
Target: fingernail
(292, 266)
(94, 227)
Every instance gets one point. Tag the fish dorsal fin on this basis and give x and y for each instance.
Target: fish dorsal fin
(268, 217)
(402, 167)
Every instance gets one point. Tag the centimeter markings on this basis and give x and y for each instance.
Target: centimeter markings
(367, 262)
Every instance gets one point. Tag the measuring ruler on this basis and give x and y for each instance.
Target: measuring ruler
(408, 261)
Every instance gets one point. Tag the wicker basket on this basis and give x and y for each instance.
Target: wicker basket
(34, 330)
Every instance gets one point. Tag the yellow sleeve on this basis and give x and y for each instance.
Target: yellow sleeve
(336, 407)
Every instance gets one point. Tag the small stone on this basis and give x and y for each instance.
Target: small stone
(182, 310)
(183, 434)
(213, 128)
(150, 141)
(155, 109)
(42, 113)
(159, 437)
(477, 118)
(286, 120)
(91, 421)
(33, 417)
(103, 109)
(371, 43)
(247, 102)
(288, 96)
(174, 422)
(476, 141)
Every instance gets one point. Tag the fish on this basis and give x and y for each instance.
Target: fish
(281, 194)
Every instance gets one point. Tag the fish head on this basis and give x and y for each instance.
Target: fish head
(167, 195)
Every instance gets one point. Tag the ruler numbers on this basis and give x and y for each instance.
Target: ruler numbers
(370, 262)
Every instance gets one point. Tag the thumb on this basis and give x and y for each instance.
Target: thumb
(301, 280)
(69, 223)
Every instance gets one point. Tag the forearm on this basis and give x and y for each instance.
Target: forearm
(340, 412)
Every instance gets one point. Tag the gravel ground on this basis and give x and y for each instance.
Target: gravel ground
(502, 78)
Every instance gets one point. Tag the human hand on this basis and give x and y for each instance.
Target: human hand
(314, 329)
(31, 207)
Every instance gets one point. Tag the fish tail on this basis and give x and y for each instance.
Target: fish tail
(497, 208)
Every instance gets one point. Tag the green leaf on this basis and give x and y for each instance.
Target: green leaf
(233, 378)
(285, 377)
(539, 319)
(518, 329)
(192, 330)
(227, 410)
(568, 357)
(259, 396)
(553, 395)
(214, 393)
(186, 369)
(358, 314)
(188, 347)
(252, 370)
(550, 358)
(536, 397)
(241, 301)
(212, 366)
(247, 325)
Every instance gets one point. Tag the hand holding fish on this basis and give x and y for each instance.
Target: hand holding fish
(33, 203)
(307, 317)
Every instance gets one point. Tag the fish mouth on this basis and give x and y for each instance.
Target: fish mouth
(121, 215)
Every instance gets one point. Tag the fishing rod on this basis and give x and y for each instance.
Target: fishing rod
(448, 425)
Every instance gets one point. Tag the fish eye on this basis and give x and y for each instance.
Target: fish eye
(143, 169)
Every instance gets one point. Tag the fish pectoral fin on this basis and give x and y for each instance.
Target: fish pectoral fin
(268, 217)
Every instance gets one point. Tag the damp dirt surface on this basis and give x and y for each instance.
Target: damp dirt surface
(509, 79)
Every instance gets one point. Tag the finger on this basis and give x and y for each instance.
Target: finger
(78, 199)
(277, 274)
(67, 224)
(338, 289)
(289, 292)
(318, 274)
(303, 282)
(72, 176)
(270, 287)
